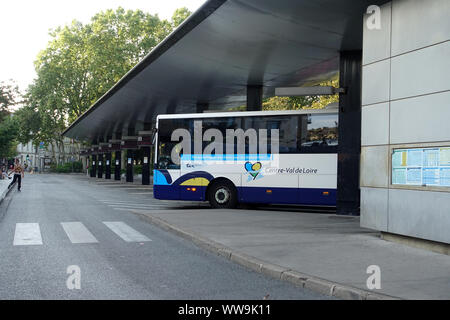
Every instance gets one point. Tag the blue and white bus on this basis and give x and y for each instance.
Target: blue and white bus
(266, 157)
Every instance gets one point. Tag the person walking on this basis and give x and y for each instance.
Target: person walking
(18, 175)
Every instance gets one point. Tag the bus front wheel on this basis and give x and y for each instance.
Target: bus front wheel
(222, 194)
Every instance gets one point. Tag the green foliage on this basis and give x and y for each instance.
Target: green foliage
(8, 123)
(297, 103)
(306, 102)
(67, 167)
(82, 62)
(8, 133)
(8, 97)
(29, 124)
(179, 16)
(77, 166)
(137, 169)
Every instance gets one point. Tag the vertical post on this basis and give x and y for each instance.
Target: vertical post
(93, 166)
(146, 165)
(201, 107)
(254, 97)
(348, 192)
(118, 165)
(108, 165)
(130, 165)
(100, 165)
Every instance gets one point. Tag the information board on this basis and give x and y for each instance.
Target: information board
(421, 166)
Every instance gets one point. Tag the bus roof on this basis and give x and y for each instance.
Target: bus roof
(246, 114)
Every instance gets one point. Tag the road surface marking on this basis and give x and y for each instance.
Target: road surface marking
(78, 233)
(131, 205)
(124, 231)
(146, 193)
(140, 209)
(123, 202)
(27, 234)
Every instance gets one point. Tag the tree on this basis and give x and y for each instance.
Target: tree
(179, 16)
(81, 63)
(8, 133)
(8, 97)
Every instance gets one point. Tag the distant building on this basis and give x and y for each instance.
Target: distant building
(40, 157)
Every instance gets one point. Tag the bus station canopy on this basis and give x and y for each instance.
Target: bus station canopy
(222, 48)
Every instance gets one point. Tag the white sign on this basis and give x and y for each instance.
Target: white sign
(117, 162)
(129, 160)
(145, 159)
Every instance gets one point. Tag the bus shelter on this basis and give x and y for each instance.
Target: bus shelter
(236, 52)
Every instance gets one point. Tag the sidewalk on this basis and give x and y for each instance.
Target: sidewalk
(4, 188)
(305, 248)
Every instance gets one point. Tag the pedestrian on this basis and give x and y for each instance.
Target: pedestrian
(4, 174)
(18, 175)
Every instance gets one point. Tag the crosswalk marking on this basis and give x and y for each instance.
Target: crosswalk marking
(124, 231)
(27, 234)
(78, 233)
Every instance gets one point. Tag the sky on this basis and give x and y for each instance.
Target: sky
(25, 24)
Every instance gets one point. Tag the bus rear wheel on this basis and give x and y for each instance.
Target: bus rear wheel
(222, 194)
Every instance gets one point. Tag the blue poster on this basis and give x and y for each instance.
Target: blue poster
(398, 158)
(415, 157)
(430, 176)
(399, 176)
(445, 177)
(431, 157)
(414, 176)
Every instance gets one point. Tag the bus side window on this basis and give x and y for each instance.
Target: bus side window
(318, 133)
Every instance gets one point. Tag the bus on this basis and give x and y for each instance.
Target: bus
(260, 157)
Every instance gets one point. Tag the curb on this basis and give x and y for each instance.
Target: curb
(302, 280)
(5, 193)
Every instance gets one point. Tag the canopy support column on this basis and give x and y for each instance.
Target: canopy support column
(254, 97)
(349, 151)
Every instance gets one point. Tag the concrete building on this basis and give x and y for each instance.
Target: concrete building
(405, 107)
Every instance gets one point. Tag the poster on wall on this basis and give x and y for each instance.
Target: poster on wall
(421, 166)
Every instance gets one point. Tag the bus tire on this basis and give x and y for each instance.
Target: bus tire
(222, 194)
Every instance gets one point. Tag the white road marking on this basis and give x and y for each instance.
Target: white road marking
(78, 233)
(131, 205)
(118, 201)
(27, 234)
(146, 193)
(124, 231)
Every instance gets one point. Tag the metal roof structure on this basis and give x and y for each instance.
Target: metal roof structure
(222, 48)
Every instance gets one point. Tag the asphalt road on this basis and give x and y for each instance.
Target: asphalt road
(59, 221)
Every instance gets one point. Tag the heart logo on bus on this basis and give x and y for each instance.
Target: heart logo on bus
(253, 168)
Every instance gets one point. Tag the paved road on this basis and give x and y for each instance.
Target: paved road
(59, 221)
